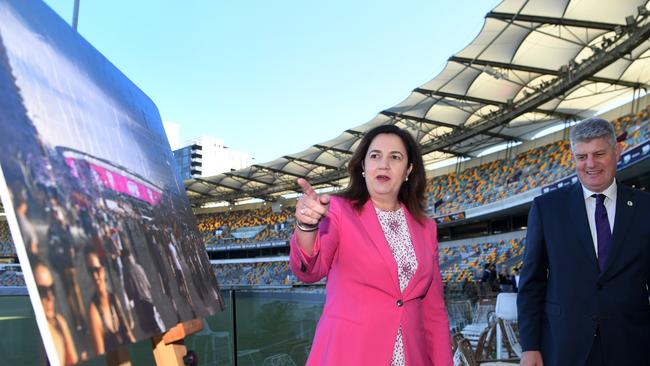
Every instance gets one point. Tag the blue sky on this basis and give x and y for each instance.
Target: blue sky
(274, 77)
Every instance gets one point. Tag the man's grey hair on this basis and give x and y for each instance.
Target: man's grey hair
(592, 128)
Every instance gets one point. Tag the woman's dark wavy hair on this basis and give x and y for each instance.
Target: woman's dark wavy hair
(411, 193)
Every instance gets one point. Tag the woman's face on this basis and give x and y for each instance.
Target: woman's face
(386, 166)
(97, 272)
(45, 283)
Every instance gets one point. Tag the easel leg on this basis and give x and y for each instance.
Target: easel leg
(168, 354)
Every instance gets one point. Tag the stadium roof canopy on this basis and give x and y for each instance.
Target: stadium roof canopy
(534, 64)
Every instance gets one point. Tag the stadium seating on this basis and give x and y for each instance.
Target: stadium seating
(6, 243)
(263, 273)
(537, 167)
(461, 265)
(7, 249)
(231, 227)
(5, 235)
(11, 277)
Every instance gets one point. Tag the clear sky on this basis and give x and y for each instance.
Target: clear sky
(272, 78)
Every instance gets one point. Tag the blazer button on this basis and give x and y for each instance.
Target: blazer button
(399, 303)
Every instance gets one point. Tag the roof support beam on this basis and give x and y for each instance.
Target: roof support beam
(235, 176)
(444, 124)
(216, 184)
(433, 93)
(358, 134)
(201, 193)
(310, 162)
(562, 115)
(419, 119)
(277, 171)
(537, 70)
(325, 148)
(551, 20)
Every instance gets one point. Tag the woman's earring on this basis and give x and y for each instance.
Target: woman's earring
(406, 179)
(363, 174)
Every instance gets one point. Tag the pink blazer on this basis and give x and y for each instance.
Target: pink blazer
(364, 307)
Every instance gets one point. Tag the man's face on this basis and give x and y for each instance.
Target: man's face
(596, 163)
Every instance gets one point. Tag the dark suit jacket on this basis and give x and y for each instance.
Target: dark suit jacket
(563, 297)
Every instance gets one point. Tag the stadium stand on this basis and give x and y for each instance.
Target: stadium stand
(257, 272)
(537, 167)
(237, 227)
(11, 276)
(462, 261)
(460, 264)
(499, 179)
(7, 249)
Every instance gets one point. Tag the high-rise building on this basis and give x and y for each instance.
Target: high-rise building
(205, 156)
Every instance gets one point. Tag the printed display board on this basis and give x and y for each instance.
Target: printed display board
(102, 226)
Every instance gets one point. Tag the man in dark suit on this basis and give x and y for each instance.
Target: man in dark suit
(583, 297)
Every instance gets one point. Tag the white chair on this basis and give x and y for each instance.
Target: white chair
(464, 356)
(480, 321)
(506, 313)
(506, 307)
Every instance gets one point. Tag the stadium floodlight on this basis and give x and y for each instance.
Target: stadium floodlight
(494, 72)
(643, 11)
(629, 20)
(618, 30)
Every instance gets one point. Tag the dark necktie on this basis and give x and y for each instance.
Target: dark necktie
(603, 231)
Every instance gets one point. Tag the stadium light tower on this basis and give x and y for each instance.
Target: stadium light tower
(75, 15)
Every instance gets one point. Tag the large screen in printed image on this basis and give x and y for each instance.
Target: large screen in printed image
(102, 226)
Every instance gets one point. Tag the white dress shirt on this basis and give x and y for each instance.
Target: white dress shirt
(610, 206)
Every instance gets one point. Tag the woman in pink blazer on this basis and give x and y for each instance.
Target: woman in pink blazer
(378, 250)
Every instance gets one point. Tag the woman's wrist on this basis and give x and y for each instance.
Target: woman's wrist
(306, 227)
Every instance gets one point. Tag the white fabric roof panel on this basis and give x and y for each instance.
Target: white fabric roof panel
(451, 80)
(451, 111)
(549, 48)
(497, 42)
(498, 88)
(602, 10)
(549, 8)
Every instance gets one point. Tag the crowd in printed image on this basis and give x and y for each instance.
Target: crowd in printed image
(112, 261)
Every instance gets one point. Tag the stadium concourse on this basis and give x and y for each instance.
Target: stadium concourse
(493, 129)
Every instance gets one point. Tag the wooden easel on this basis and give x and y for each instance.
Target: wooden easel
(168, 348)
